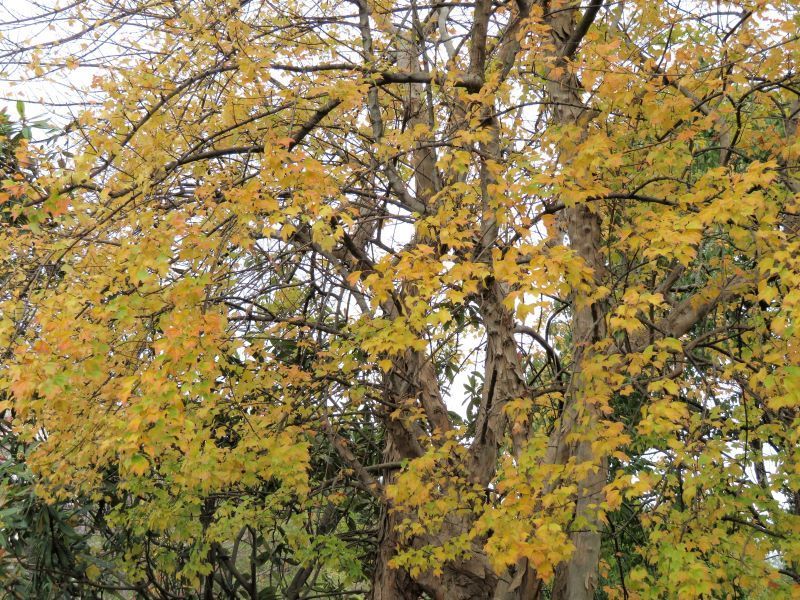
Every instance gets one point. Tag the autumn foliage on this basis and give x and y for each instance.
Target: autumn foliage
(398, 300)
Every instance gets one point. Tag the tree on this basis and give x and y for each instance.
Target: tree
(288, 228)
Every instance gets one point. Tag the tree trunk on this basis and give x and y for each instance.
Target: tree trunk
(389, 583)
(576, 578)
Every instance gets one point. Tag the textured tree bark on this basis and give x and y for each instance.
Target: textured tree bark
(791, 222)
(576, 578)
(389, 583)
(470, 579)
(504, 379)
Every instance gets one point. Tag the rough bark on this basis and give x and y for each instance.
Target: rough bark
(504, 379)
(389, 583)
(576, 578)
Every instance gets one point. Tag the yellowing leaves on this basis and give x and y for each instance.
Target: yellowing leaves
(384, 337)
(635, 303)
(663, 416)
(234, 265)
(138, 464)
